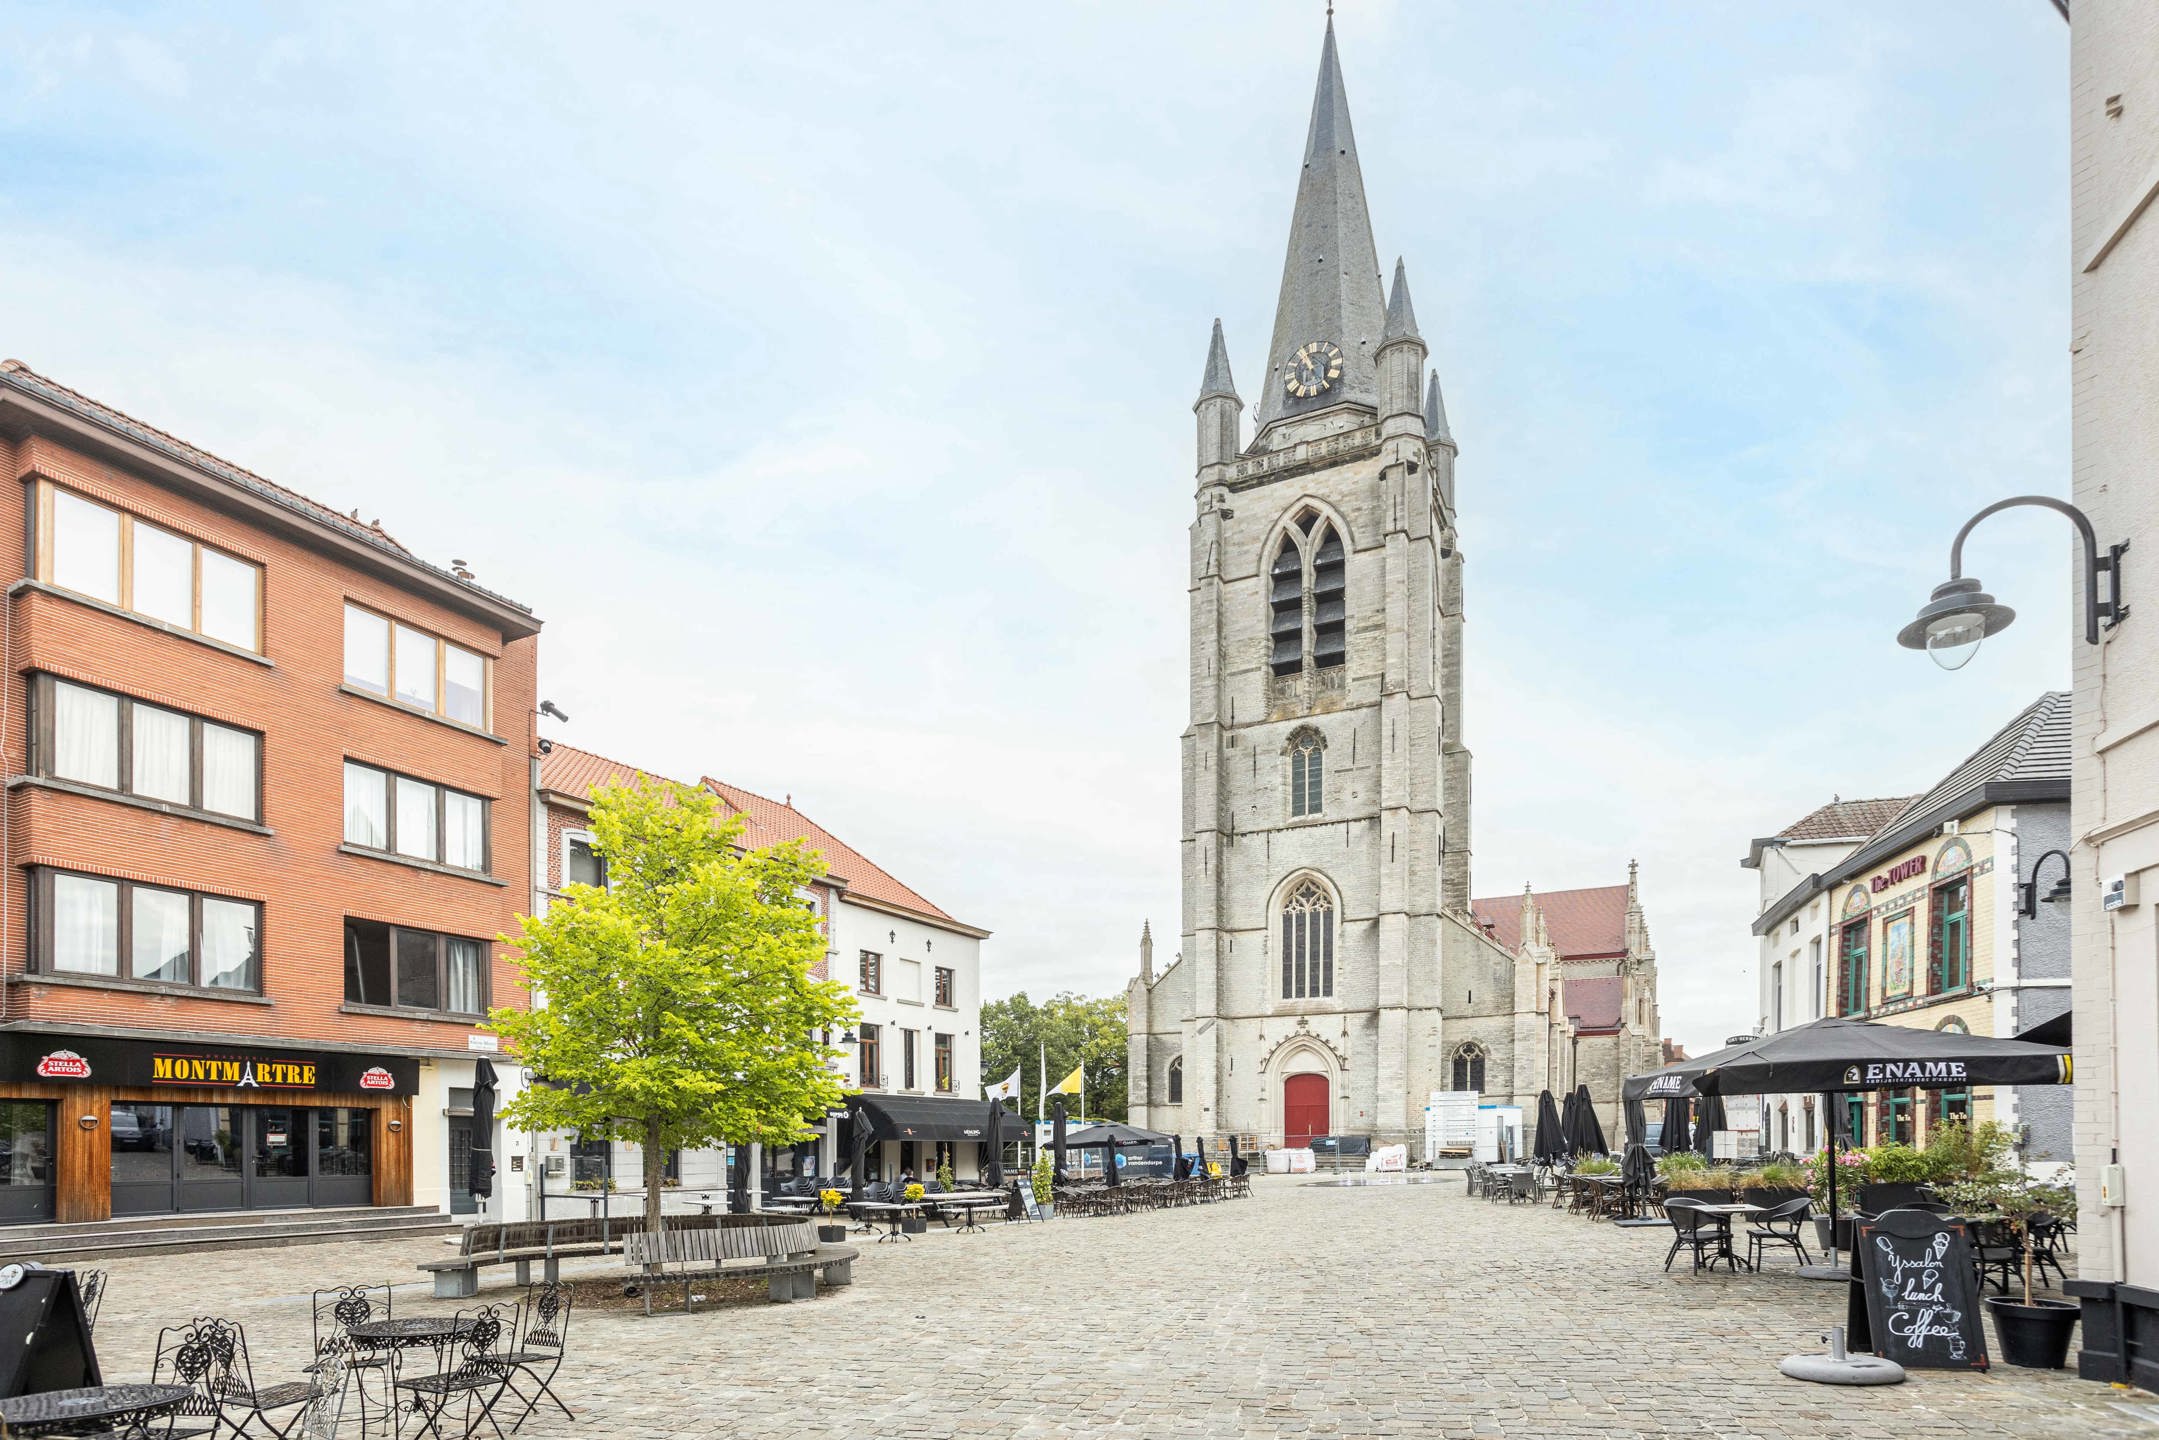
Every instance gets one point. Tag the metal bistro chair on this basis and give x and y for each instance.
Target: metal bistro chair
(238, 1396)
(1780, 1225)
(1521, 1186)
(200, 1356)
(1693, 1228)
(479, 1378)
(90, 1284)
(538, 1351)
(2047, 1234)
(335, 1313)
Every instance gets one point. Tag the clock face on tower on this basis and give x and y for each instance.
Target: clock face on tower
(1313, 369)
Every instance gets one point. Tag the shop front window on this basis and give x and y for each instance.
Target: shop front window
(344, 1142)
(25, 1142)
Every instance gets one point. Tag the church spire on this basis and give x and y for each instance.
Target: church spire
(1401, 315)
(1435, 415)
(1330, 276)
(1216, 381)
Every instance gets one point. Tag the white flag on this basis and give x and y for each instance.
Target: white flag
(1005, 1089)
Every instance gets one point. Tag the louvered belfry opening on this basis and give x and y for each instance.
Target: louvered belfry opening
(1330, 602)
(1285, 600)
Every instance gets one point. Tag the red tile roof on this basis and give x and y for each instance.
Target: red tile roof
(1595, 1002)
(570, 771)
(773, 821)
(1583, 923)
(1846, 819)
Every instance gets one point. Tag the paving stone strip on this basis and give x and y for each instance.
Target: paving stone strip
(1382, 1311)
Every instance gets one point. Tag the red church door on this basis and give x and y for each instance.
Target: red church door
(1304, 1109)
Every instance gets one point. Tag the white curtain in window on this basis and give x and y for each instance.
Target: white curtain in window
(415, 818)
(85, 735)
(367, 819)
(416, 668)
(464, 830)
(85, 547)
(228, 771)
(464, 963)
(160, 937)
(231, 605)
(228, 944)
(85, 925)
(161, 754)
(464, 686)
(164, 576)
(367, 650)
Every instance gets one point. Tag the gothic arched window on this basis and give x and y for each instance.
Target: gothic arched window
(1176, 1081)
(1307, 943)
(1308, 598)
(1306, 773)
(1469, 1067)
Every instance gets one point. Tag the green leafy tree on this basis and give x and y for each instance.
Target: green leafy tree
(676, 1007)
(1072, 1030)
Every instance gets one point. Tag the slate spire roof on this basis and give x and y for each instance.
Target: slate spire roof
(1330, 277)
(1435, 414)
(1401, 315)
(1217, 381)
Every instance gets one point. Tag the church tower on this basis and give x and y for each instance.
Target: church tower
(1326, 782)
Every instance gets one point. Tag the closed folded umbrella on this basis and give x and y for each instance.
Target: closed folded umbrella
(1547, 1147)
(1589, 1130)
(1109, 1162)
(1236, 1166)
(480, 1165)
(1567, 1124)
(1707, 1123)
(1176, 1157)
(1677, 1133)
(738, 1185)
(1057, 1140)
(997, 1145)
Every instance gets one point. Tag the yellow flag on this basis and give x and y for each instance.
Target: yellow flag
(1070, 1085)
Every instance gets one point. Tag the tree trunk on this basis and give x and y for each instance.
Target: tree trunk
(655, 1173)
(2026, 1237)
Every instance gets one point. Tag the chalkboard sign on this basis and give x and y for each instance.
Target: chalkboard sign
(1922, 1296)
(44, 1334)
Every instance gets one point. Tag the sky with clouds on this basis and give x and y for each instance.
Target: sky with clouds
(822, 377)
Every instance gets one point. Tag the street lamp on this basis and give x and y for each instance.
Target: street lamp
(1959, 614)
(2028, 896)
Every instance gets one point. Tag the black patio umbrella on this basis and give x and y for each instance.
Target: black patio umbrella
(1176, 1157)
(1109, 1161)
(1637, 1122)
(1708, 1120)
(1057, 1139)
(1236, 1166)
(1838, 1055)
(858, 1156)
(1547, 1146)
(1589, 1130)
(480, 1167)
(1638, 1170)
(1568, 1125)
(1678, 1135)
(997, 1145)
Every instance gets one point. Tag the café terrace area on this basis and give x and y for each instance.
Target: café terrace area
(1386, 1309)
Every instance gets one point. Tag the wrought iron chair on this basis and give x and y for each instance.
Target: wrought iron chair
(478, 1380)
(540, 1347)
(199, 1355)
(243, 1407)
(90, 1284)
(335, 1313)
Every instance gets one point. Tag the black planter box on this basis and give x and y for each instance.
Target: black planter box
(2036, 1335)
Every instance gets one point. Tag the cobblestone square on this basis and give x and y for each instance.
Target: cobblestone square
(1404, 1310)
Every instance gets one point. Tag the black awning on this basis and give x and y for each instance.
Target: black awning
(2057, 1031)
(922, 1117)
(1845, 1055)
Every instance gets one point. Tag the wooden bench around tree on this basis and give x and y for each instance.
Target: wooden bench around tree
(786, 1255)
(522, 1242)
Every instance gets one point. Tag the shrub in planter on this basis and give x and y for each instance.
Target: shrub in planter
(1683, 1169)
(1042, 1183)
(1596, 1165)
(2032, 1331)
(830, 1201)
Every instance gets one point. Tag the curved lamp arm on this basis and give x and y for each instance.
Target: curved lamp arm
(2113, 610)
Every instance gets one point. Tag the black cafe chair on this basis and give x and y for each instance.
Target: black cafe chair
(1780, 1225)
(1695, 1229)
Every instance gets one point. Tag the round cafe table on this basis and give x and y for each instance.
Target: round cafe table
(414, 1332)
(51, 1412)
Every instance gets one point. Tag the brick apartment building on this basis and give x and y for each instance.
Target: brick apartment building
(267, 804)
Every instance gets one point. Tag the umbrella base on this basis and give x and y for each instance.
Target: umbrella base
(1824, 1272)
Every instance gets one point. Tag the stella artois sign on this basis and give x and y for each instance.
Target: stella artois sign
(63, 1065)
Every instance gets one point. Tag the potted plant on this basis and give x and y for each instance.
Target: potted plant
(913, 1224)
(2033, 1331)
(831, 1201)
(1850, 1173)
(944, 1176)
(1687, 1175)
(1597, 1165)
(1773, 1183)
(1043, 1185)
